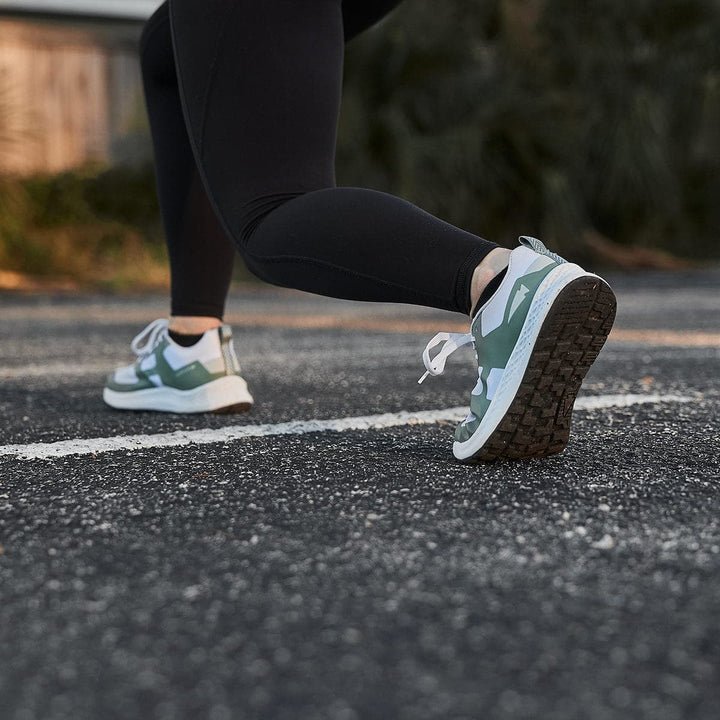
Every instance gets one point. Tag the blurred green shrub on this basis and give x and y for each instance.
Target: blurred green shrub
(89, 227)
(550, 117)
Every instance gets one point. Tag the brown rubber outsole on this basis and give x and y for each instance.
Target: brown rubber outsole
(232, 409)
(537, 423)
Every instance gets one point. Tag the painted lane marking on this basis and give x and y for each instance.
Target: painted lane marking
(232, 433)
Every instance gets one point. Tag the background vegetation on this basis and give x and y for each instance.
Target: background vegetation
(565, 119)
(582, 123)
(93, 227)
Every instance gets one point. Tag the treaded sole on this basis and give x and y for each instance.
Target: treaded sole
(232, 409)
(537, 423)
(227, 410)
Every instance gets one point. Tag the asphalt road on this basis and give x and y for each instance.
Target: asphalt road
(359, 574)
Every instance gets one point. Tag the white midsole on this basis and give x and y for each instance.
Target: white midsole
(217, 394)
(547, 292)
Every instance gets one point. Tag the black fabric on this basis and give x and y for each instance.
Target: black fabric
(201, 254)
(260, 85)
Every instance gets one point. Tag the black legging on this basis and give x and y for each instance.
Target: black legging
(260, 88)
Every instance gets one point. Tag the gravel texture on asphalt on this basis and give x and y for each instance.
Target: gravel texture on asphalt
(360, 574)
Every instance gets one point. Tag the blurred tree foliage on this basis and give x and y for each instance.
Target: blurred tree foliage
(549, 117)
(557, 118)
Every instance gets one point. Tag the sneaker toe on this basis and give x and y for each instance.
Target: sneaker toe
(123, 376)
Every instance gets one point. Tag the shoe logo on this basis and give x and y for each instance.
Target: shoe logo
(520, 295)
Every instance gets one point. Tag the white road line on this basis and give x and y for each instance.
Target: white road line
(126, 443)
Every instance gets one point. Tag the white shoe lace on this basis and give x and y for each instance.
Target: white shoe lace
(147, 340)
(452, 342)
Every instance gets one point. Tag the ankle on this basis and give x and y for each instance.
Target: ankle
(492, 265)
(192, 324)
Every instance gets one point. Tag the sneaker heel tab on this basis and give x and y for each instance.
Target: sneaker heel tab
(227, 349)
(225, 332)
(539, 247)
(533, 243)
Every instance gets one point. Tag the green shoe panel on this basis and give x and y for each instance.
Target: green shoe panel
(495, 348)
(186, 377)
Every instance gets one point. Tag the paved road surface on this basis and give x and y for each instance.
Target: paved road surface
(364, 573)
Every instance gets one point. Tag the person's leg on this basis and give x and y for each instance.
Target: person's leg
(186, 364)
(201, 255)
(261, 84)
(200, 252)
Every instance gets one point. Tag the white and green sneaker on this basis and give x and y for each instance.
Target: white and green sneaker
(204, 377)
(535, 339)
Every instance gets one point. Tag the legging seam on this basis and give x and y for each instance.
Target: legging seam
(212, 74)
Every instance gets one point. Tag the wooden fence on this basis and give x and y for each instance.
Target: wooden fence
(70, 93)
